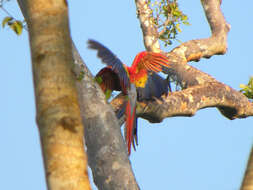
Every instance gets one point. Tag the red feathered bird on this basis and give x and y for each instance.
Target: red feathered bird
(138, 82)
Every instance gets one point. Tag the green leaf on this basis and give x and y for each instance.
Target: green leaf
(251, 82)
(247, 90)
(99, 79)
(243, 86)
(6, 20)
(108, 94)
(17, 27)
(176, 13)
(186, 23)
(165, 9)
(168, 12)
(184, 18)
(178, 27)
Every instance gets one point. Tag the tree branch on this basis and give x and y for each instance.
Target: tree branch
(232, 104)
(106, 148)
(149, 30)
(193, 50)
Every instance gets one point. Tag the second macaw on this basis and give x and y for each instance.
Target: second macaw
(138, 82)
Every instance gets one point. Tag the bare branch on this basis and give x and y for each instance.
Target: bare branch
(232, 104)
(149, 30)
(193, 50)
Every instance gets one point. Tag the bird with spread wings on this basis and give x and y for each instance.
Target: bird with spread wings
(139, 82)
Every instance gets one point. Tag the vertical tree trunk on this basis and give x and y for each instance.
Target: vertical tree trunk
(106, 148)
(58, 113)
(247, 183)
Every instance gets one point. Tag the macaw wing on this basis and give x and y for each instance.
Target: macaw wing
(112, 61)
(152, 61)
(155, 86)
(108, 79)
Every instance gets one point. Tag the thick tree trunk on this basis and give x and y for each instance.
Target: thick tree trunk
(58, 112)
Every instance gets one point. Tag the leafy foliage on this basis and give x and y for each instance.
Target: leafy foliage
(247, 90)
(167, 17)
(15, 25)
(108, 94)
(98, 79)
(6, 20)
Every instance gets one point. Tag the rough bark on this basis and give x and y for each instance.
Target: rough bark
(247, 183)
(58, 112)
(193, 50)
(231, 103)
(149, 31)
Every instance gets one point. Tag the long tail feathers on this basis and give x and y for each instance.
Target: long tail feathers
(135, 135)
(130, 126)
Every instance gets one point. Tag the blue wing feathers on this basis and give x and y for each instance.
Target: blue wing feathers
(111, 60)
(156, 86)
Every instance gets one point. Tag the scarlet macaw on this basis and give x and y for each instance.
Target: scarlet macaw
(138, 82)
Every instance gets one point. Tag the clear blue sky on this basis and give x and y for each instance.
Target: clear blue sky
(204, 152)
